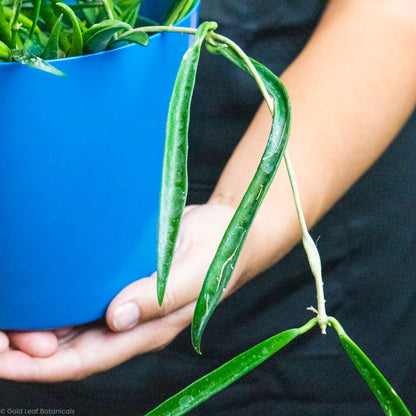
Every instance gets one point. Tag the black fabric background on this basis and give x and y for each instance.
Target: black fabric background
(367, 242)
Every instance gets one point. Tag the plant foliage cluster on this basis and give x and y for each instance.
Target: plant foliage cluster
(33, 31)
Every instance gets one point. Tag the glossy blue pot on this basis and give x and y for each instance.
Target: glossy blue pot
(80, 171)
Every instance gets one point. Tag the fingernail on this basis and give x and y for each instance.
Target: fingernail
(126, 316)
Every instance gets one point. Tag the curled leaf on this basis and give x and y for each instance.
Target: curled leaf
(76, 43)
(227, 254)
(98, 36)
(134, 36)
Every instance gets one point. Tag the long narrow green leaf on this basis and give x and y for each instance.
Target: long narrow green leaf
(46, 13)
(174, 177)
(391, 403)
(130, 14)
(109, 8)
(51, 50)
(222, 377)
(28, 59)
(50, 18)
(5, 32)
(177, 10)
(230, 247)
(4, 52)
(128, 10)
(91, 12)
(77, 44)
(186, 9)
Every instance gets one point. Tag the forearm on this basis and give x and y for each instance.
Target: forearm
(351, 89)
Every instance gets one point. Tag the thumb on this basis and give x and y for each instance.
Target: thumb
(193, 255)
(138, 302)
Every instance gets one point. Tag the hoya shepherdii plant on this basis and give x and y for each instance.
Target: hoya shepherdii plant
(32, 32)
(223, 263)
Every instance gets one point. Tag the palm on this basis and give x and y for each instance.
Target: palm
(57, 356)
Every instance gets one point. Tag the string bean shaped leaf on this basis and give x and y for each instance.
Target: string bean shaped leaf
(129, 11)
(28, 59)
(212, 383)
(77, 41)
(174, 186)
(177, 10)
(49, 17)
(230, 247)
(391, 403)
(51, 50)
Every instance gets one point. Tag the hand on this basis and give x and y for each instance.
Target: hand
(135, 322)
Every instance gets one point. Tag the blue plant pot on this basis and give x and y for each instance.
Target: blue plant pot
(80, 172)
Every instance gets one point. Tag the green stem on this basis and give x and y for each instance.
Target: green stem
(14, 21)
(310, 249)
(108, 9)
(219, 38)
(35, 18)
(172, 29)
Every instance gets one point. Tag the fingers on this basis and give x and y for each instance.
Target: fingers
(138, 302)
(70, 354)
(94, 350)
(4, 342)
(35, 344)
(201, 231)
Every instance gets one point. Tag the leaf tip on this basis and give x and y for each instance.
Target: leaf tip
(196, 343)
(196, 335)
(160, 289)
